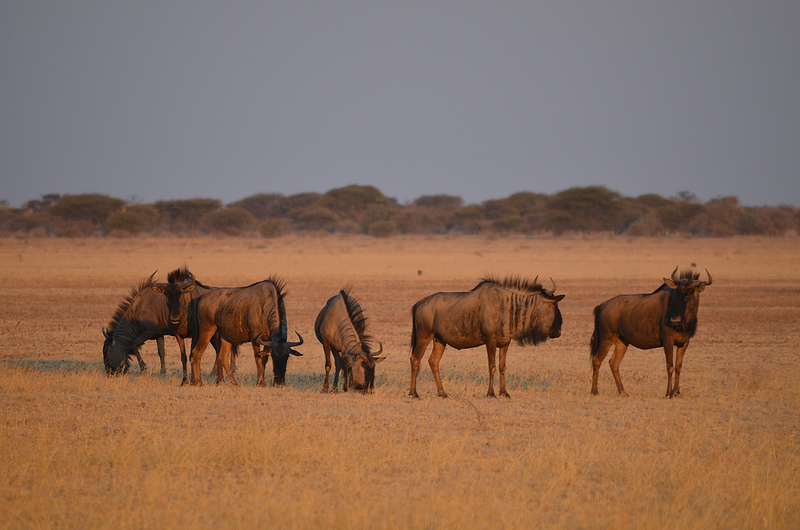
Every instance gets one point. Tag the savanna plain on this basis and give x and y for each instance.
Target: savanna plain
(80, 449)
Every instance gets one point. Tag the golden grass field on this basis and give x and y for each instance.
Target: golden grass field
(79, 449)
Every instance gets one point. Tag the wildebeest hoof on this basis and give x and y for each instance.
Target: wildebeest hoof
(443, 394)
(504, 394)
(163, 371)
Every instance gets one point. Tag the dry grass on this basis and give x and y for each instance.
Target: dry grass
(81, 450)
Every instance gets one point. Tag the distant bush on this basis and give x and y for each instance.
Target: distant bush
(271, 228)
(132, 220)
(91, 208)
(382, 229)
(185, 215)
(357, 209)
(317, 219)
(228, 221)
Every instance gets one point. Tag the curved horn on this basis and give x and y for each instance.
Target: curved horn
(673, 274)
(535, 280)
(295, 344)
(348, 352)
(380, 349)
(106, 334)
(553, 290)
(262, 338)
(709, 278)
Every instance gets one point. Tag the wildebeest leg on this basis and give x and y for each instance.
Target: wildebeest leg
(597, 362)
(182, 348)
(161, 353)
(416, 356)
(502, 368)
(142, 364)
(676, 390)
(261, 364)
(490, 355)
(337, 364)
(327, 349)
(668, 353)
(433, 361)
(223, 359)
(619, 352)
(197, 353)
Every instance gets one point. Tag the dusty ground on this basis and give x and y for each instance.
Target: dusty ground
(80, 449)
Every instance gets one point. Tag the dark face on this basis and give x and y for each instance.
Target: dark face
(173, 292)
(555, 329)
(362, 372)
(115, 356)
(280, 353)
(683, 304)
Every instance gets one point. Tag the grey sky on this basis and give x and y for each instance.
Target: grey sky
(172, 100)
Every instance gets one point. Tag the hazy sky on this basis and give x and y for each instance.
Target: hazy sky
(186, 99)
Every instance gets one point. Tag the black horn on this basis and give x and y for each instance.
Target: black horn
(709, 278)
(553, 290)
(295, 344)
(674, 279)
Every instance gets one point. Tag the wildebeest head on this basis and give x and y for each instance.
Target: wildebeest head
(173, 292)
(548, 325)
(684, 299)
(280, 349)
(360, 366)
(112, 364)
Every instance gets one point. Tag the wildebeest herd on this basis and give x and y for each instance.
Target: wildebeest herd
(494, 313)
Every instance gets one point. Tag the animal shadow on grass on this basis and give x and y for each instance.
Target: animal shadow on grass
(54, 366)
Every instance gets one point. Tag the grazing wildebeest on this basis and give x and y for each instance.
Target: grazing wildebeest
(254, 314)
(340, 327)
(494, 313)
(145, 315)
(664, 318)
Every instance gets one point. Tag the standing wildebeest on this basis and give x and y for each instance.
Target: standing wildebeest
(665, 318)
(494, 313)
(340, 327)
(144, 315)
(254, 314)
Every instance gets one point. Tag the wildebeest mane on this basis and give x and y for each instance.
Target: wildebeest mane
(357, 317)
(512, 282)
(125, 304)
(523, 315)
(280, 286)
(183, 275)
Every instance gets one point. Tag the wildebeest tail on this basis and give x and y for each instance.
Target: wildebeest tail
(414, 326)
(594, 344)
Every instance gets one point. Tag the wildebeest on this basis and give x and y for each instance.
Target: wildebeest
(341, 328)
(254, 314)
(144, 315)
(493, 313)
(666, 318)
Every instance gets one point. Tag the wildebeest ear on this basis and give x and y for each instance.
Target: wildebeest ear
(158, 288)
(188, 288)
(555, 299)
(378, 359)
(671, 284)
(700, 287)
(295, 353)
